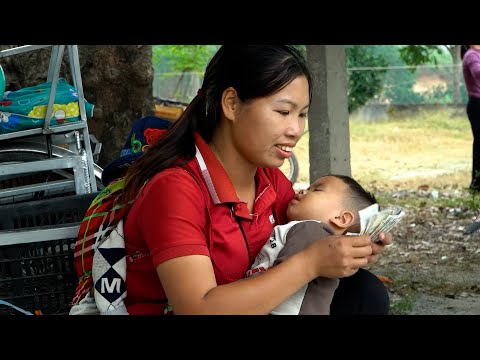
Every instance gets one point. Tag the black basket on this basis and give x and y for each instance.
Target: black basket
(40, 276)
(66, 210)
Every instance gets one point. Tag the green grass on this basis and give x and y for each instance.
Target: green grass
(403, 306)
(465, 201)
(406, 150)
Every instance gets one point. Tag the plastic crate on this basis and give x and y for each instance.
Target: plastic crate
(33, 214)
(32, 179)
(40, 276)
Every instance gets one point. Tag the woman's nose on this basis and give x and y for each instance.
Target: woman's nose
(296, 128)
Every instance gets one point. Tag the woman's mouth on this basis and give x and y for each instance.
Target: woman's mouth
(285, 150)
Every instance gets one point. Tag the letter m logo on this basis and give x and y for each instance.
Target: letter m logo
(114, 286)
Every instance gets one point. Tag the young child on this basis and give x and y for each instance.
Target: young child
(330, 206)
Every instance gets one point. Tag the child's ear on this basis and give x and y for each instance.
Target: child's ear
(229, 102)
(344, 220)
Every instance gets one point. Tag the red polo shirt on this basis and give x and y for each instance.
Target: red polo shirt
(188, 211)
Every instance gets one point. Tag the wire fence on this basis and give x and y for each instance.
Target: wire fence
(181, 87)
(418, 85)
(401, 85)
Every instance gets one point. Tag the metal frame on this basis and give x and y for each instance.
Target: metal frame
(35, 235)
(84, 183)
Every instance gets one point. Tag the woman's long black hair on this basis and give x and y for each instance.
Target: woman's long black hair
(254, 71)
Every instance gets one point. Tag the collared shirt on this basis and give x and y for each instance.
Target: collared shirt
(194, 210)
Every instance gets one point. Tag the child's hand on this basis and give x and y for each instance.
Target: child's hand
(379, 247)
(385, 238)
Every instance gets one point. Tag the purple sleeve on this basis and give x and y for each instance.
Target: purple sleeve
(474, 65)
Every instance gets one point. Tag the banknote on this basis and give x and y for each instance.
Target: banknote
(376, 221)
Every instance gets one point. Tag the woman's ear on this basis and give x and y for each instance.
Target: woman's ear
(229, 102)
(344, 220)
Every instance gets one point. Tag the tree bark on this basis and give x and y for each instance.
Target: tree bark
(117, 79)
(455, 53)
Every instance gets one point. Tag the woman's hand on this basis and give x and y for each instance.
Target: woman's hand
(379, 247)
(338, 256)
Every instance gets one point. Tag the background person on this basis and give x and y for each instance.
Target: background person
(471, 74)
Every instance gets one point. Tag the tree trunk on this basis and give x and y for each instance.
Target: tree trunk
(455, 53)
(25, 70)
(116, 79)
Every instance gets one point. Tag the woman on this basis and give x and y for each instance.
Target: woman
(471, 75)
(214, 194)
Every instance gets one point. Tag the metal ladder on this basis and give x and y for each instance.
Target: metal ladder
(81, 160)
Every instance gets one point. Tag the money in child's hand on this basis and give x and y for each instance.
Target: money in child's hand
(382, 221)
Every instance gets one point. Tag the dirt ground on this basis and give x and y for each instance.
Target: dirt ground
(432, 268)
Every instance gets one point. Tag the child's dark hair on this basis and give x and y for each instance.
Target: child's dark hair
(254, 71)
(359, 198)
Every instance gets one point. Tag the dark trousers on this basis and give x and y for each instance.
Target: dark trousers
(360, 294)
(473, 112)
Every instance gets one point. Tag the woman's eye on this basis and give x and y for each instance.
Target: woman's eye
(284, 113)
(304, 115)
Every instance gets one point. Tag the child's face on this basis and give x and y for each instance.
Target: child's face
(322, 201)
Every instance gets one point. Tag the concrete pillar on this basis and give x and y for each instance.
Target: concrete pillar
(329, 143)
